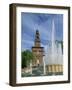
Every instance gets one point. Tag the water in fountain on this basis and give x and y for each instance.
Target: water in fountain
(53, 42)
(44, 66)
(53, 55)
(60, 59)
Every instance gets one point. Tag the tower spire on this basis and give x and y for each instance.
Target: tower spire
(37, 39)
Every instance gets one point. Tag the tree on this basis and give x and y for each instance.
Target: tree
(27, 57)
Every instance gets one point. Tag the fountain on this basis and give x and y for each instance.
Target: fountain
(53, 56)
(60, 59)
(53, 42)
(44, 66)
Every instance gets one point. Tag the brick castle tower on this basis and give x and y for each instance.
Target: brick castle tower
(37, 50)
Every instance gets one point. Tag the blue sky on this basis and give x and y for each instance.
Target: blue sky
(30, 22)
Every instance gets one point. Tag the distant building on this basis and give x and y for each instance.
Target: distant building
(37, 50)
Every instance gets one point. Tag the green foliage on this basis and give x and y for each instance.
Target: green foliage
(27, 57)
